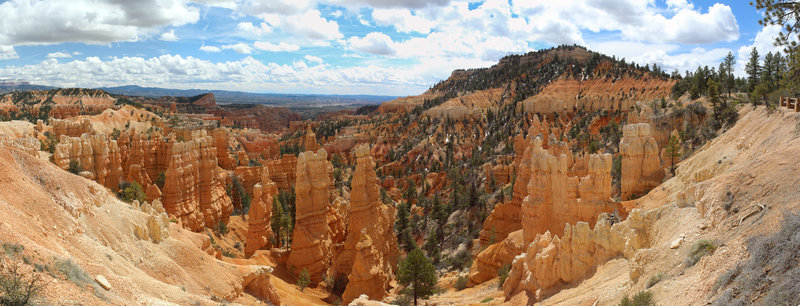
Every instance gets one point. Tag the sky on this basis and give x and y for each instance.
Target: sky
(377, 47)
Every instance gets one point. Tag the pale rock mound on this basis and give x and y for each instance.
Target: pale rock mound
(641, 166)
(551, 260)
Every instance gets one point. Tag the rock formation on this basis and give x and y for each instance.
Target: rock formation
(157, 227)
(552, 188)
(71, 128)
(311, 237)
(641, 166)
(259, 230)
(310, 140)
(26, 144)
(555, 198)
(283, 171)
(193, 191)
(221, 139)
(370, 249)
(551, 260)
(507, 217)
(488, 261)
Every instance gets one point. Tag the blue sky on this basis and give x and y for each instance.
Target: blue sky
(382, 47)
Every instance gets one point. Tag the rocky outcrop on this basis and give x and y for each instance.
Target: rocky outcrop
(507, 217)
(551, 260)
(221, 139)
(370, 249)
(259, 230)
(283, 171)
(311, 237)
(157, 227)
(310, 140)
(71, 128)
(555, 198)
(193, 191)
(488, 261)
(26, 144)
(641, 166)
(258, 284)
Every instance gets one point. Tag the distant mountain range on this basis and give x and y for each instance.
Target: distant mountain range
(232, 97)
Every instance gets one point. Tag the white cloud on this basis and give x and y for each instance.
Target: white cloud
(240, 48)
(58, 55)
(638, 20)
(76, 53)
(258, 31)
(280, 47)
(210, 49)
(375, 43)
(310, 24)
(8, 52)
(402, 20)
(668, 56)
(169, 36)
(314, 59)
(88, 21)
(175, 71)
(763, 42)
(409, 4)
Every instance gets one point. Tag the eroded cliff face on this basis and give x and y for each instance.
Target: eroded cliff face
(311, 237)
(71, 128)
(259, 230)
(641, 165)
(370, 250)
(569, 95)
(507, 217)
(551, 260)
(553, 188)
(283, 171)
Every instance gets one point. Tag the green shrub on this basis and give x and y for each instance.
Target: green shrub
(461, 283)
(643, 298)
(16, 287)
(72, 272)
(130, 191)
(487, 300)
(303, 279)
(221, 228)
(699, 249)
(74, 167)
(502, 273)
(655, 279)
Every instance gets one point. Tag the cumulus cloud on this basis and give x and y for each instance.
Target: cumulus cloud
(374, 43)
(58, 55)
(88, 21)
(210, 49)
(240, 48)
(309, 24)
(280, 47)
(313, 59)
(764, 42)
(402, 20)
(169, 36)
(8, 52)
(409, 4)
(637, 19)
(249, 28)
(176, 71)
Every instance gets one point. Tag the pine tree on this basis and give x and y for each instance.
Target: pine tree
(727, 65)
(673, 150)
(417, 275)
(753, 70)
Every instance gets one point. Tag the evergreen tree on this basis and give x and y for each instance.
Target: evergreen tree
(417, 275)
(753, 70)
(673, 150)
(727, 65)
